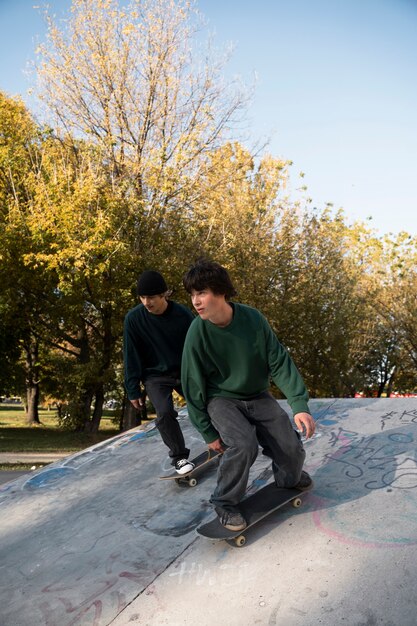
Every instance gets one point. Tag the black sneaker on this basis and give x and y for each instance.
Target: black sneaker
(305, 483)
(183, 466)
(231, 520)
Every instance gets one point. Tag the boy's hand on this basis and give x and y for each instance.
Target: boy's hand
(305, 424)
(216, 445)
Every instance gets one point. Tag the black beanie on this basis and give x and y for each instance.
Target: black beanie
(151, 283)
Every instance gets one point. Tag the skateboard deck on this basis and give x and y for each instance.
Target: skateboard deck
(254, 508)
(202, 462)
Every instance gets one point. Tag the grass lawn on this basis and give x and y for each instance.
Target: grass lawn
(17, 436)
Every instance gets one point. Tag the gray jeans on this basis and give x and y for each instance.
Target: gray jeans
(243, 425)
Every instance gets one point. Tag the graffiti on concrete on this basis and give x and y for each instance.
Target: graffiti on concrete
(380, 467)
(405, 417)
(222, 575)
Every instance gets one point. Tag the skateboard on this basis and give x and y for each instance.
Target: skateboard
(254, 508)
(202, 462)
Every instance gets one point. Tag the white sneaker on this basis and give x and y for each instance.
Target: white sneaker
(183, 466)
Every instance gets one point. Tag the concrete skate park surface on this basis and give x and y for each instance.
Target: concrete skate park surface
(97, 538)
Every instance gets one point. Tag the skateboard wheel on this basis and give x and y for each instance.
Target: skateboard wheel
(296, 502)
(240, 541)
(192, 482)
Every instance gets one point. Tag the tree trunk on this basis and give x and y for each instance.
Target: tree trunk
(391, 382)
(83, 417)
(31, 348)
(381, 388)
(93, 425)
(98, 410)
(32, 404)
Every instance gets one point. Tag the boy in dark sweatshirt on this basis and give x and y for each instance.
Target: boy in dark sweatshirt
(154, 334)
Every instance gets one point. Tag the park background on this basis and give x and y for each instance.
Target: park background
(140, 147)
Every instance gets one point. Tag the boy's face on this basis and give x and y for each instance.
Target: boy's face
(154, 304)
(207, 304)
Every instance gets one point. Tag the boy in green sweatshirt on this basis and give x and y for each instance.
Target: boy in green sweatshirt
(154, 334)
(230, 354)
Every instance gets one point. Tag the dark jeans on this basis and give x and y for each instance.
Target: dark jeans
(159, 390)
(242, 425)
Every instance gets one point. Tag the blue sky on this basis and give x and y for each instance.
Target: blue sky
(336, 91)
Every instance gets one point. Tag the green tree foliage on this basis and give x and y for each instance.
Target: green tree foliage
(140, 169)
(234, 219)
(395, 302)
(22, 285)
(138, 111)
(82, 227)
(315, 296)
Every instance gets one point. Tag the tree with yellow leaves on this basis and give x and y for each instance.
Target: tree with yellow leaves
(237, 216)
(137, 107)
(133, 82)
(394, 303)
(23, 286)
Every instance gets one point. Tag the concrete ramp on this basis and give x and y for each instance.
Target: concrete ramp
(98, 539)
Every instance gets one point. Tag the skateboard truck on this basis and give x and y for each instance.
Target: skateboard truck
(189, 480)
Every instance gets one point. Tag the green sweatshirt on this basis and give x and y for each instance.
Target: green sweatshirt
(236, 361)
(152, 344)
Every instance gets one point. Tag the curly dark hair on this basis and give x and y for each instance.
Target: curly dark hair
(205, 274)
